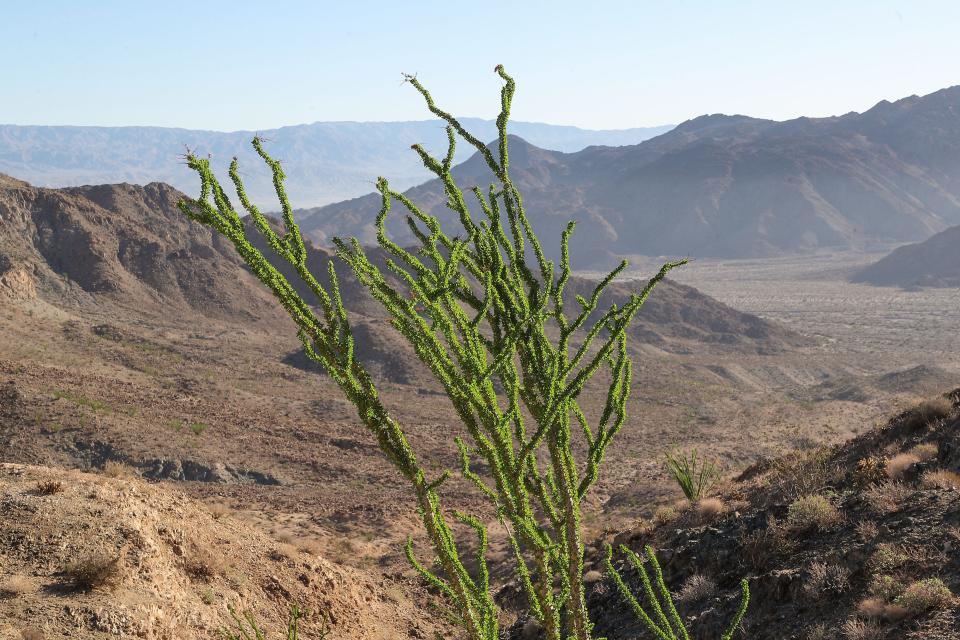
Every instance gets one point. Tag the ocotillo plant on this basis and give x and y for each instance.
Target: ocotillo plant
(481, 310)
(664, 625)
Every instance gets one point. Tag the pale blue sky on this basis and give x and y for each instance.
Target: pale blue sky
(245, 65)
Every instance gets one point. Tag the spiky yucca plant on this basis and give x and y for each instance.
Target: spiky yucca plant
(483, 310)
(694, 475)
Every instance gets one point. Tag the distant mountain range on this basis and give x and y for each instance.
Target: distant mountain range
(726, 186)
(128, 248)
(932, 263)
(325, 161)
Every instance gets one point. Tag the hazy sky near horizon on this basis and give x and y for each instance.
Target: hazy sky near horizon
(231, 65)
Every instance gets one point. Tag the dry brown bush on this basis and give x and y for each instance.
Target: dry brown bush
(204, 565)
(925, 451)
(114, 469)
(928, 411)
(827, 580)
(878, 609)
(284, 551)
(697, 588)
(887, 497)
(813, 511)
(936, 408)
(855, 629)
(96, 570)
(923, 595)
(900, 464)
(802, 473)
(50, 487)
(15, 586)
(763, 545)
(941, 479)
(310, 546)
(219, 510)
(592, 576)
(664, 514)
(870, 470)
(871, 607)
(867, 530)
(708, 509)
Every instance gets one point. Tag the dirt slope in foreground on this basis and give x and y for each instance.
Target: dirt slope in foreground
(170, 567)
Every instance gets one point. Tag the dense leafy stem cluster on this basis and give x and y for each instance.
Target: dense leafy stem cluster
(487, 313)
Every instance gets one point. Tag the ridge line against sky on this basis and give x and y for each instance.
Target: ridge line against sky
(242, 66)
(335, 122)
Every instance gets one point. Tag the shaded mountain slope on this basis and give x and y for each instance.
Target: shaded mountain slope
(934, 262)
(130, 246)
(729, 186)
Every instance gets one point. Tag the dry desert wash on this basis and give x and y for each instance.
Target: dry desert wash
(487, 313)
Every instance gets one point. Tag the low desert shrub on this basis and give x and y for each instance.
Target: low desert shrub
(50, 487)
(694, 475)
(310, 546)
(115, 469)
(940, 479)
(871, 607)
(926, 594)
(697, 588)
(927, 412)
(15, 586)
(856, 629)
(925, 451)
(878, 609)
(219, 510)
(887, 557)
(885, 587)
(900, 464)
(870, 470)
(205, 565)
(664, 514)
(887, 497)
(709, 509)
(96, 570)
(826, 579)
(867, 530)
(802, 473)
(936, 409)
(284, 551)
(812, 512)
(762, 546)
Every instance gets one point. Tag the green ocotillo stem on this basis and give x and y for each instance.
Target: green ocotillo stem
(491, 324)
